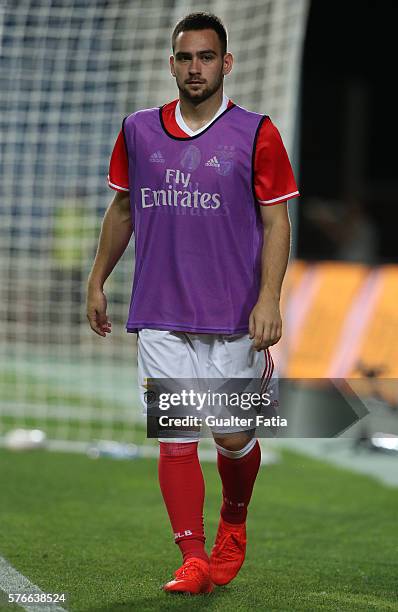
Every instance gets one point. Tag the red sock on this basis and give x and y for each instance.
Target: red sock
(238, 475)
(183, 489)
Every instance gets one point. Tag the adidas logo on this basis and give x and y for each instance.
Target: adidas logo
(213, 162)
(157, 157)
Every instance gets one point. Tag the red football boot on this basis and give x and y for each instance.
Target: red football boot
(192, 578)
(228, 552)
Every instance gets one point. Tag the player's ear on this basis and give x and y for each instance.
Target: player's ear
(227, 63)
(171, 59)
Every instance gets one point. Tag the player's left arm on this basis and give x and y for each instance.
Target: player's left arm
(265, 323)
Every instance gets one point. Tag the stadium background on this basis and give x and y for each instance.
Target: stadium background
(70, 72)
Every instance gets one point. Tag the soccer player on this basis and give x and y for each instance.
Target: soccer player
(203, 184)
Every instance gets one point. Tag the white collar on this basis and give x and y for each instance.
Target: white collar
(181, 123)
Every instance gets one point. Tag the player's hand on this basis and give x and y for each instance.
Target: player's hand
(96, 312)
(265, 323)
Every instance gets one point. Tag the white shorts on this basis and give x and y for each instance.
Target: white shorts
(179, 355)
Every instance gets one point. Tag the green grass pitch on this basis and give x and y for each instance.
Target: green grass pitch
(319, 538)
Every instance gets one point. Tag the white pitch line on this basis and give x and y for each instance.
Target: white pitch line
(11, 581)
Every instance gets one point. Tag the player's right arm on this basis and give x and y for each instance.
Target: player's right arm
(116, 230)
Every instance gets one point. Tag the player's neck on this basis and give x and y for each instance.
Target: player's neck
(198, 115)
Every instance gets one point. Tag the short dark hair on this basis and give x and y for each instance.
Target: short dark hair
(201, 21)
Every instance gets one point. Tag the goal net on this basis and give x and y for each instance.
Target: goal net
(70, 71)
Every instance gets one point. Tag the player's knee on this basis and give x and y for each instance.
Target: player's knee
(234, 441)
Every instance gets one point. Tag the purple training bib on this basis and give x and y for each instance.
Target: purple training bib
(198, 229)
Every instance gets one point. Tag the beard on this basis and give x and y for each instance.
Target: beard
(203, 93)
